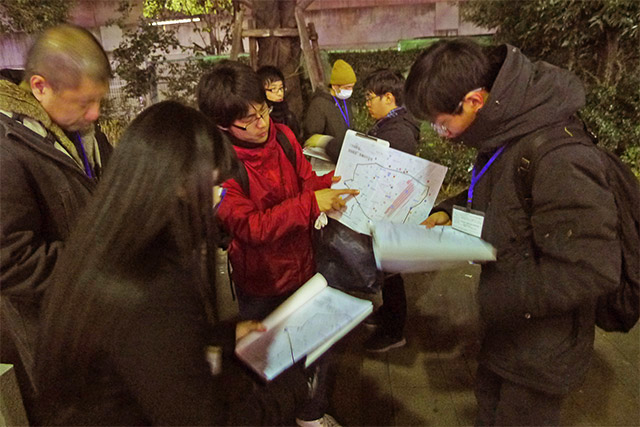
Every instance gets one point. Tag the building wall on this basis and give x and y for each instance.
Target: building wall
(341, 24)
(13, 48)
(362, 24)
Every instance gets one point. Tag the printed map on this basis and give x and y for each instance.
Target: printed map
(394, 186)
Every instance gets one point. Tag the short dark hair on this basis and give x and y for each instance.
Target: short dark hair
(227, 90)
(444, 73)
(63, 55)
(269, 74)
(386, 80)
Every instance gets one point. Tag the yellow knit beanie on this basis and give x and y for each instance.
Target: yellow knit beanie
(342, 73)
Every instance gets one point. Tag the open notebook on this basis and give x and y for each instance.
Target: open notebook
(309, 322)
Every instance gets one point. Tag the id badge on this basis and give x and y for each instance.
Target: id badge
(467, 220)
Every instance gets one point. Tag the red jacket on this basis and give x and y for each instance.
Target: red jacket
(271, 252)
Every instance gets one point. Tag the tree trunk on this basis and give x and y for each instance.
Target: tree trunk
(281, 52)
(609, 59)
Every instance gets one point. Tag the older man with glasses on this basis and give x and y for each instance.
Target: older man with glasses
(270, 216)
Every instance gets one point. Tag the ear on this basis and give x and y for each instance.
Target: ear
(389, 99)
(475, 100)
(39, 86)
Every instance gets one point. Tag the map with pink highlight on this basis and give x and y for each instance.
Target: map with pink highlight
(394, 186)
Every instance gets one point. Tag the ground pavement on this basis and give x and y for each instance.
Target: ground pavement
(430, 381)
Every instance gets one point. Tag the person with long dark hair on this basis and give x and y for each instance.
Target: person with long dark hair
(126, 327)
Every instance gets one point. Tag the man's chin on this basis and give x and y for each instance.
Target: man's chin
(79, 127)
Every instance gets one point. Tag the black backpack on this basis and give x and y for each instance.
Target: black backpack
(619, 310)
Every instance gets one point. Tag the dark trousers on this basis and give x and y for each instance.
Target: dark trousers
(393, 313)
(504, 403)
(316, 402)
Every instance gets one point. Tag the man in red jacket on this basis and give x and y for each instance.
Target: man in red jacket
(271, 215)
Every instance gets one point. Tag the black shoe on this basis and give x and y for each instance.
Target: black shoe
(374, 320)
(379, 343)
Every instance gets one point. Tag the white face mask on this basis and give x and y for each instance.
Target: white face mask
(344, 93)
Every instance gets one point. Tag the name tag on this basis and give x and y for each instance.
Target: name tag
(467, 220)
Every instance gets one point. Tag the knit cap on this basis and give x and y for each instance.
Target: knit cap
(342, 73)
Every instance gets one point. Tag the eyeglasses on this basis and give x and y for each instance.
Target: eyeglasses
(368, 98)
(264, 115)
(443, 130)
(276, 90)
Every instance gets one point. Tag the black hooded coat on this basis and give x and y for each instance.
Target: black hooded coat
(537, 300)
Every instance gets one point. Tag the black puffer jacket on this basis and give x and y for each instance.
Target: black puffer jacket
(400, 128)
(537, 300)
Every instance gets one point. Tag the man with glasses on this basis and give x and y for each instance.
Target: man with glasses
(275, 90)
(271, 219)
(384, 97)
(558, 251)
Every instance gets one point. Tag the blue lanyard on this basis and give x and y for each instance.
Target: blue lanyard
(85, 160)
(475, 178)
(345, 113)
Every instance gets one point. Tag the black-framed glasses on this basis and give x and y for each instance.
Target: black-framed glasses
(264, 115)
(276, 90)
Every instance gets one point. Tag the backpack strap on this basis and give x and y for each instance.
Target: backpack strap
(240, 174)
(537, 145)
(284, 142)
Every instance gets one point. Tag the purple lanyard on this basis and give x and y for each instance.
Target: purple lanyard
(85, 160)
(475, 178)
(345, 113)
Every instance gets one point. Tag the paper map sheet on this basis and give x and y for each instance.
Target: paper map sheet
(312, 319)
(394, 186)
(411, 248)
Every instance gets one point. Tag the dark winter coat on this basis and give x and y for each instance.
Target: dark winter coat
(271, 251)
(282, 114)
(324, 117)
(399, 128)
(537, 300)
(154, 370)
(42, 190)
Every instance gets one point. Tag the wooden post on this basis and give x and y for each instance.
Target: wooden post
(313, 36)
(315, 73)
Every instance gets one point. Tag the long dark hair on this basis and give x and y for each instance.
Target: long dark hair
(156, 194)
